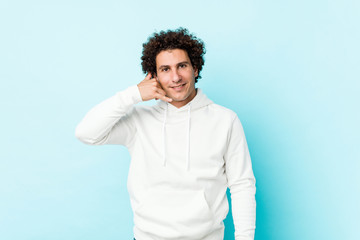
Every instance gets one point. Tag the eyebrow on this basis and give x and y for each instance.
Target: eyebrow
(183, 62)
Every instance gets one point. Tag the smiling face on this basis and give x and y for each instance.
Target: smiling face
(176, 76)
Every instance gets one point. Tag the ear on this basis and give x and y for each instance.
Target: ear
(196, 72)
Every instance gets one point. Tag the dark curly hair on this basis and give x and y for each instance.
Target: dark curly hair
(173, 39)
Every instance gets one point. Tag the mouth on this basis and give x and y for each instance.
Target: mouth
(178, 87)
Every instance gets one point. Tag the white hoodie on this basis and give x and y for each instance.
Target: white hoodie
(182, 161)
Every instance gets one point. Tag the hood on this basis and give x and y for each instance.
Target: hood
(199, 101)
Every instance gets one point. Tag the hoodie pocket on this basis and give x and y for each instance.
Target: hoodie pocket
(174, 214)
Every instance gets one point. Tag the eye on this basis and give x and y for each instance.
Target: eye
(182, 65)
(165, 69)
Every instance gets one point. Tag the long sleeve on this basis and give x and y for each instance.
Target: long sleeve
(109, 122)
(241, 182)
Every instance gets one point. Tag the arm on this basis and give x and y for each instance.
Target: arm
(110, 121)
(241, 182)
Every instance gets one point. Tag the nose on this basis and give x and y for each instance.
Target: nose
(176, 76)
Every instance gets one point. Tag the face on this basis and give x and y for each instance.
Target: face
(176, 76)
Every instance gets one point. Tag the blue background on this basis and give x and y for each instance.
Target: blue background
(290, 69)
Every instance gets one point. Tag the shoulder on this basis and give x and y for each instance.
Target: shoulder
(227, 117)
(223, 111)
(143, 109)
(146, 111)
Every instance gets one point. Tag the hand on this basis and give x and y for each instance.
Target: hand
(150, 88)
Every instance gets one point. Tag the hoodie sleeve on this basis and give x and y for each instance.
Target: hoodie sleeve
(109, 122)
(241, 182)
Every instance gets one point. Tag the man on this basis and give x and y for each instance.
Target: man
(185, 150)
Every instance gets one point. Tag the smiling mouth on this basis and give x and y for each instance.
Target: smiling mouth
(179, 86)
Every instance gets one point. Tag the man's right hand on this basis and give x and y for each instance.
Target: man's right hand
(150, 88)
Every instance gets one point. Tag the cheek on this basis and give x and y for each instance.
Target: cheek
(163, 81)
(192, 74)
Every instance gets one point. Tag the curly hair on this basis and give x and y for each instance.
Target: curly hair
(173, 39)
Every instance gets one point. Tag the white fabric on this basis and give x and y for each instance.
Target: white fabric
(182, 161)
(164, 137)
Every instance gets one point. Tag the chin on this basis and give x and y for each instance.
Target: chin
(180, 96)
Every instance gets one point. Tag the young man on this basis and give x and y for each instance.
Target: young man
(185, 150)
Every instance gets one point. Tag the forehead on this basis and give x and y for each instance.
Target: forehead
(171, 57)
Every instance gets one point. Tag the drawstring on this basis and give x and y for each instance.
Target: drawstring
(188, 139)
(163, 133)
